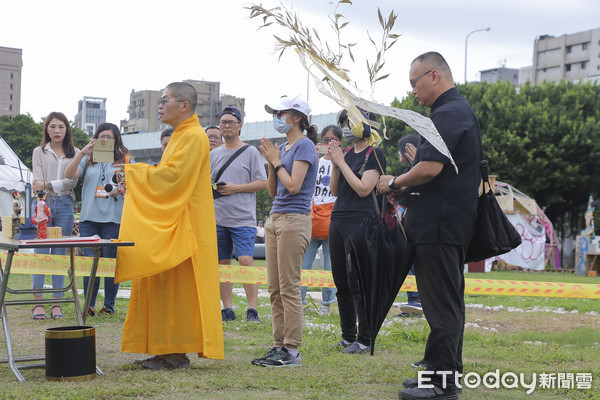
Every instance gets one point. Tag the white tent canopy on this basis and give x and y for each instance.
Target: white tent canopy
(532, 224)
(13, 176)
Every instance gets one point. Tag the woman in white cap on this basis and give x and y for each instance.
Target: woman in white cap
(291, 182)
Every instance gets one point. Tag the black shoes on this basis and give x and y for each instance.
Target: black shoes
(227, 314)
(426, 394)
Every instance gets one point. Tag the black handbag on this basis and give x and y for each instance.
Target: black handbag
(494, 234)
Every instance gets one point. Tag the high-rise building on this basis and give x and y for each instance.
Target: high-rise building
(91, 112)
(143, 112)
(11, 62)
(143, 107)
(573, 56)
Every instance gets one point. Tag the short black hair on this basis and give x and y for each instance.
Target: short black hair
(184, 91)
(166, 133)
(404, 140)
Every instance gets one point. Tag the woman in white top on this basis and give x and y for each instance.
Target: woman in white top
(50, 159)
(323, 198)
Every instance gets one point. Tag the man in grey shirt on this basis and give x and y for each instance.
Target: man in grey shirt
(235, 209)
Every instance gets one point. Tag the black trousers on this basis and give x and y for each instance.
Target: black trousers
(346, 282)
(439, 271)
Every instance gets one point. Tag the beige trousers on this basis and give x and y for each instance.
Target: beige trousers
(286, 239)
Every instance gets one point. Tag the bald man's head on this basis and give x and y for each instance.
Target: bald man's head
(429, 76)
(434, 60)
(184, 91)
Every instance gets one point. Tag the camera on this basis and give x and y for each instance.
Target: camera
(117, 181)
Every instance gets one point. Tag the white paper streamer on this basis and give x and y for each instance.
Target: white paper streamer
(343, 96)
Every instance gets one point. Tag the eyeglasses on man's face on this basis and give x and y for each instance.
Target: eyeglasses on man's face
(214, 137)
(413, 82)
(229, 122)
(162, 101)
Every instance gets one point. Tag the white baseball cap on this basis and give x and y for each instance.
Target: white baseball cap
(289, 103)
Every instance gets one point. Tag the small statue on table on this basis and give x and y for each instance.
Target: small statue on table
(41, 215)
(16, 217)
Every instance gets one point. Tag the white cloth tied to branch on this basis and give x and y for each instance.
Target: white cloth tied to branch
(343, 96)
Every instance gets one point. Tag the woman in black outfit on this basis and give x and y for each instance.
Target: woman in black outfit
(356, 171)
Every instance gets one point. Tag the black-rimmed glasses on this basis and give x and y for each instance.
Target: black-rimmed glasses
(413, 82)
(162, 102)
(105, 137)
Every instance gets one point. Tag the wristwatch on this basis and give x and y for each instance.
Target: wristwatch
(391, 182)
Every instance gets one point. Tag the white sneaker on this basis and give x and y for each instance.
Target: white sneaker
(324, 310)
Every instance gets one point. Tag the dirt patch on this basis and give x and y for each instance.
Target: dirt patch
(512, 322)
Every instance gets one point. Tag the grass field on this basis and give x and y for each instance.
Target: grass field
(511, 334)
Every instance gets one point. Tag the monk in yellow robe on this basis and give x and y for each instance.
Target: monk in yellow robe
(168, 212)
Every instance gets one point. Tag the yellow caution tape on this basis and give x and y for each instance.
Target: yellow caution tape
(28, 263)
(530, 288)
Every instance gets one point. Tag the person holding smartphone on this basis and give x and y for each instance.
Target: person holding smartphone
(101, 209)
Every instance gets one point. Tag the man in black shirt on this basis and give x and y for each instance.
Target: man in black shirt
(440, 222)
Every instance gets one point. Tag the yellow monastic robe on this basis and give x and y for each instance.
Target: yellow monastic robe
(169, 214)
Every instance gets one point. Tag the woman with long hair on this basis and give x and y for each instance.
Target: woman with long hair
(50, 159)
(101, 205)
(291, 182)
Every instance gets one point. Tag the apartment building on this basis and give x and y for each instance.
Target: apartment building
(11, 63)
(500, 74)
(574, 56)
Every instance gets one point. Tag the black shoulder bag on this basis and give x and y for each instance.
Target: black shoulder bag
(494, 234)
(216, 194)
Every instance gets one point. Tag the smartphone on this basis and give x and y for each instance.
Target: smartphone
(104, 152)
(322, 149)
(215, 186)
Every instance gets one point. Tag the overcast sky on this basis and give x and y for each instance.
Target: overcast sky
(107, 49)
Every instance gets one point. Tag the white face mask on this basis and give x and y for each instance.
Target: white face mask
(280, 124)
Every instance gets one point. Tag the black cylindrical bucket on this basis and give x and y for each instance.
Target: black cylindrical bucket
(71, 353)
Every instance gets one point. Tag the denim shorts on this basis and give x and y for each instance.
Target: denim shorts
(242, 238)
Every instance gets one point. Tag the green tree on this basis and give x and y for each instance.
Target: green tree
(543, 139)
(22, 134)
(264, 202)
(80, 137)
(395, 129)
